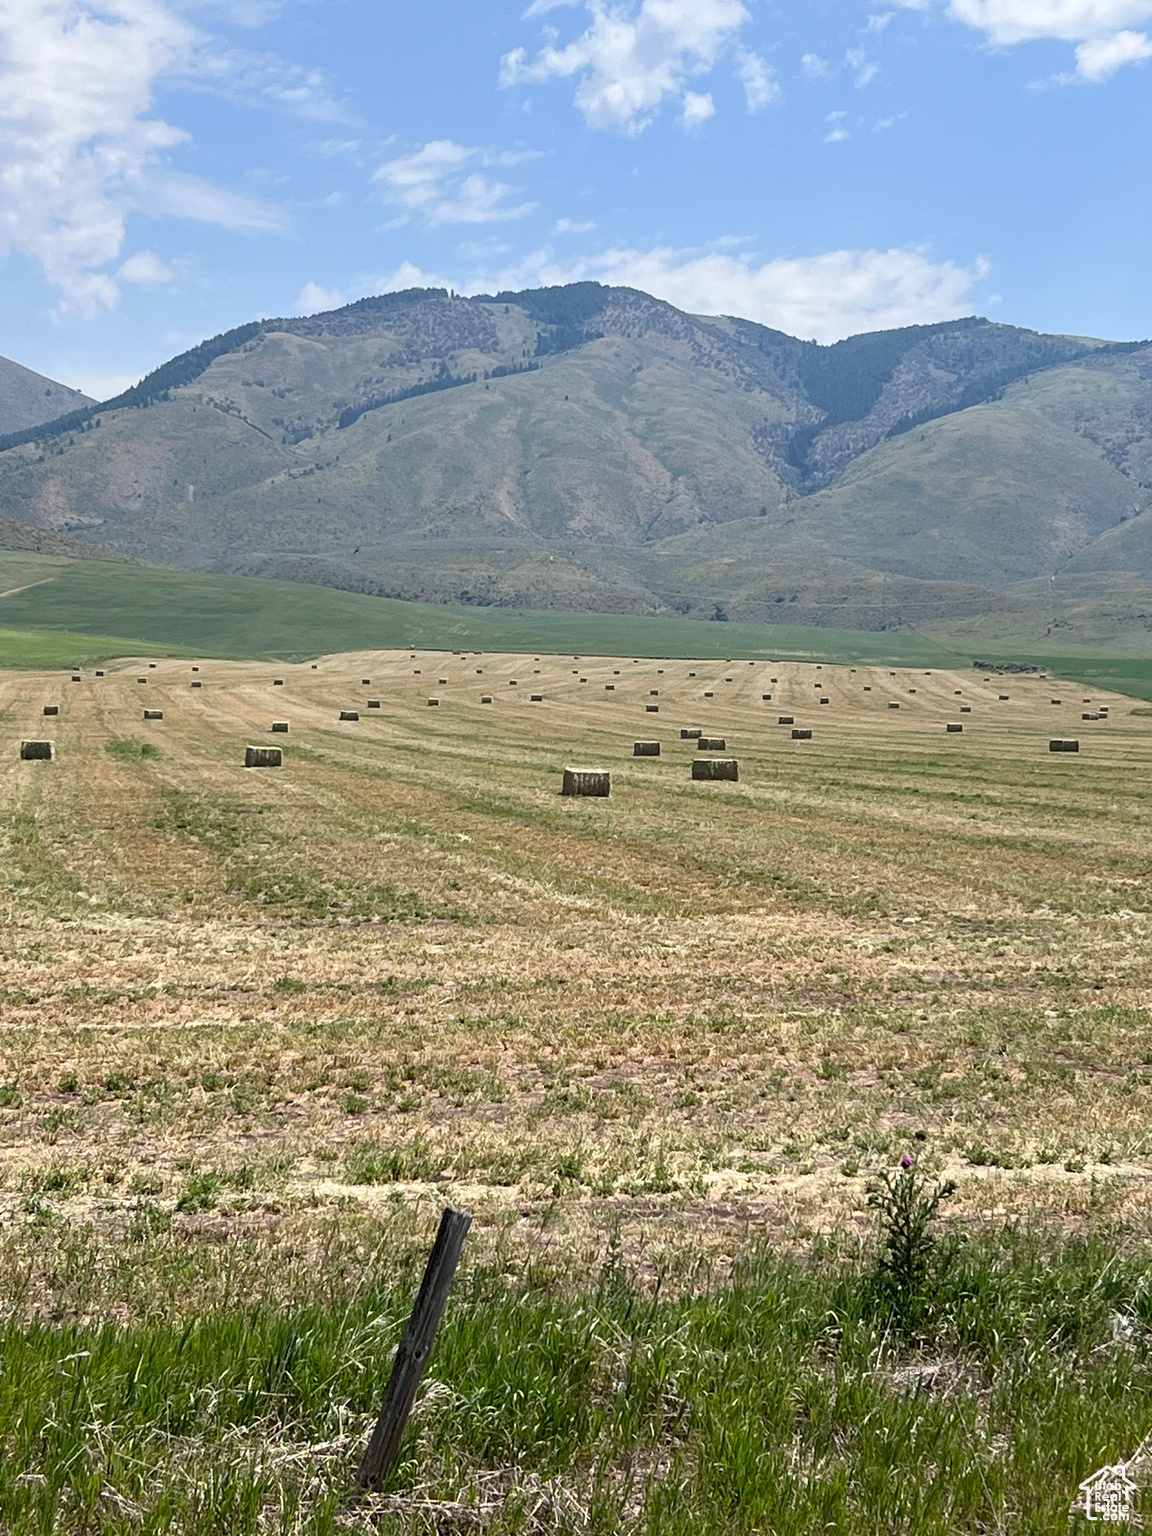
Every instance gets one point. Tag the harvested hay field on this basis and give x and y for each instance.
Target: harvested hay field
(257, 1028)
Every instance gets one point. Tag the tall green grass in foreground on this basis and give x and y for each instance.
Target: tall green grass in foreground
(779, 1398)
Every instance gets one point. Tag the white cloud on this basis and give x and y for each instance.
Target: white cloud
(265, 79)
(1070, 21)
(864, 70)
(829, 296)
(697, 110)
(1103, 56)
(634, 56)
(814, 67)
(756, 75)
(148, 270)
(837, 129)
(1101, 29)
(440, 184)
(80, 147)
(104, 386)
(572, 226)
(312, 298)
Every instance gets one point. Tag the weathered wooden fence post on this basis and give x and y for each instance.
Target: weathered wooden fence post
(415, 1349)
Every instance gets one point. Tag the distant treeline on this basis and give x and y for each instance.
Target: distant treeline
(442, 380)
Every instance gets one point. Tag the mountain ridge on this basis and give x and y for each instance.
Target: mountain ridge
(29, 400)
(594, 447)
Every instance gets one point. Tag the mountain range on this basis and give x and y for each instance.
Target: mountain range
(590, 447)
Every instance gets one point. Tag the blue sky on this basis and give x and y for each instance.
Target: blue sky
(169, 169)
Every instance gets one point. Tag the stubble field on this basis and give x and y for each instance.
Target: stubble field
(259, 1025)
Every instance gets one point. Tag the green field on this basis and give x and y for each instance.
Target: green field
(180, 612)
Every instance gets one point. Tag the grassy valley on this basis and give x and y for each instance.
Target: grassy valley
(259, 1026)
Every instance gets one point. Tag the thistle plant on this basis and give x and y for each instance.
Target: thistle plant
(908, 1264)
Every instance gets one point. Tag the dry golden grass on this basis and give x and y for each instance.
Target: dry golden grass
(402, 965)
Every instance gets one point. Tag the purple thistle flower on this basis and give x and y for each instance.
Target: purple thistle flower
(905, 1161)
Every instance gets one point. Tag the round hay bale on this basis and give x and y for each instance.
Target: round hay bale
(952, 729)
(691, 733)
(432, 704)
(786, 720)
(280, 727)
(1063, 746)
(646, 749)
(712, 769)
(486, 698)
(711, 744)
(801, 735)
(263, 757)
(651, 709)
(349, 714)
(51, 709)
(153, 714)
(36, 751)
(586, 781)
